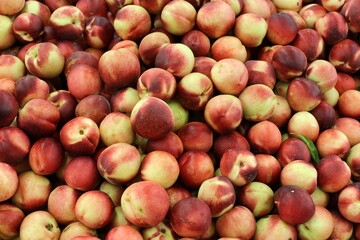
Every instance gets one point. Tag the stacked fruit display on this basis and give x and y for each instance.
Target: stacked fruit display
(160, 119)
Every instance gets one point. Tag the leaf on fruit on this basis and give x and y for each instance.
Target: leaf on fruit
(311, 146)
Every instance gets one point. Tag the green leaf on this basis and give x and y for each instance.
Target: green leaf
(311, 146)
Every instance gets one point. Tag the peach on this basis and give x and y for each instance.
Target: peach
(339, 145)
(304, 123)
(156, 82)
(259, 136)
(352, 160)
(190, 217)
(215, 27)
(346, 104)
(44, 60)
(132, 22)
(94, 106)
(114, 5)
(14, 146)
(350, 127)
(310, 42)
(331, 5)
(344, 55)
(323, 73)
(239, 166)
(342, 227)
(258, 102)
(128, 44)
(114, 191)
(181, 114)
(224, 142)
(209, 191)
(229, 47)
(39, 225)
(320, 197)
(332, 27)
(272, 226)
(257, 197)
(194, 91)
(331, 97)
(349, 10)
(8, 36)
(176, 58)
(229, 76)
(123, 232)
(10, 218)
(28, 27)
(171, 143)
(11, 67)
(348, 200)
(289, 5)
(344, 82)
(30, 87)
(65, 212)
(325, 115)
(80, 136)
(289, 62)
(253, 36)
(124, 100)
(76, 229)
(160, 167)
(260, 72)
(195, 168)
(303, 94)
(269, 170)
(94, 217)
(300, 22)
(252, 6)
(282, 112)
(98, 32)
(204, 65)
(319, 226)
(9, 109)
(196, 136)
(118, 219)
(12, 8)
(153, 7)
(178, 17)
(119, 163)
(84, 80)
(223, 113)
(311, 13)
(8, 84)
(119, 123)
(281, 28)
(46, 156)
(150, 45)
(87, 179)
(92, 8)
(33, 191)
(198, 42)
(38, 118)
(162, 230)
(145, 203)
(149, 109)
(227, 225)
(68, 22)
(294, 204)
(120, 73)
(300, 173)
(9, 182)
(77, 58)
(333, 174)
(266, 53)
(176, 194)
(66, 104)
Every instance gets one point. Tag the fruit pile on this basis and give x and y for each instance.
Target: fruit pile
(179, 119)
